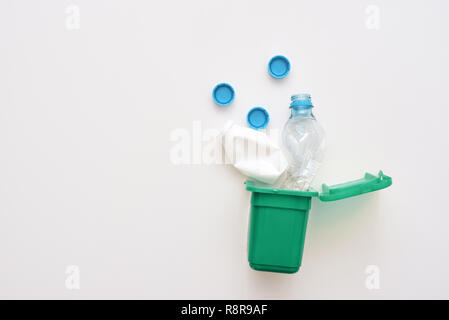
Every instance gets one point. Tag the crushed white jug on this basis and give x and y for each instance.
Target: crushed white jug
(253, 153)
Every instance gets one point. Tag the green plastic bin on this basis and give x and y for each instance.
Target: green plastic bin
(278, 220)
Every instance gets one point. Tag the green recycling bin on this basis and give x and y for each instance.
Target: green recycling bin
(278, 220)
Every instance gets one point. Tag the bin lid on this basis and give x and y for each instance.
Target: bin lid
(366, 184)
(349, 189)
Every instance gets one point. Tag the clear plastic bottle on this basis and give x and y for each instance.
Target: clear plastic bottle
(303, 141)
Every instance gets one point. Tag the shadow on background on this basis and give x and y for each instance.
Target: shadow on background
(342, 213)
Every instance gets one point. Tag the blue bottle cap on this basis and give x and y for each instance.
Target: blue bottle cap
(279, 67)
(223, 94)
(258, 118)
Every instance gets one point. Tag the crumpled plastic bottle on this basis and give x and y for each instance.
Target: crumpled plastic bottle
(303, 141)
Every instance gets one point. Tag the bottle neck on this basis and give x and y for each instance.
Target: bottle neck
(301, 112)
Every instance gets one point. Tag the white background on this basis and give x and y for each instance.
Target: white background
(86, 117)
